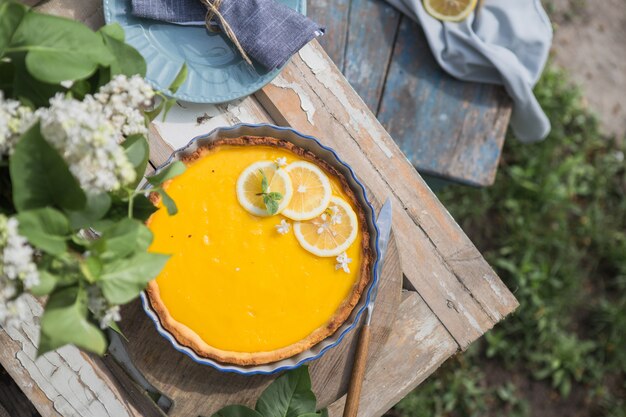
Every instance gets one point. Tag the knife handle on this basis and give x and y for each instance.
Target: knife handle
(358, 373)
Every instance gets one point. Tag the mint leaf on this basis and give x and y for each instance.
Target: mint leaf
(271, 205)
(40, 177)
(47, 282)
(137, 151)
(64, 321)
(289, 395)
(46, 229)
(264, 183)
(122, 280)
(126, 60)
(275, 196)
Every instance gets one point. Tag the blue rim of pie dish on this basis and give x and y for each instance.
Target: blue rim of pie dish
(241, 370)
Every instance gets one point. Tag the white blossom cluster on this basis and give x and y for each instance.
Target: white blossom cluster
(88, 141)
(15, 119)
(17, 271)
(122, 100)
(100, 307)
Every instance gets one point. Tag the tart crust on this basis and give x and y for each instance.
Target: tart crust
(187, 337)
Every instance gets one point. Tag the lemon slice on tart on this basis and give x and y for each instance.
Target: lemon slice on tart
(331, 233)
(311, 191)
(260, 182)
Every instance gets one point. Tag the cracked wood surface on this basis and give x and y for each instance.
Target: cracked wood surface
(454, 295)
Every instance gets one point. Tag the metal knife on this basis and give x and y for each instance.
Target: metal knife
(383, 222)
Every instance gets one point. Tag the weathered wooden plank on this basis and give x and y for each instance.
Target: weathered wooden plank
(64, 382)
(412, 352)
(446, 127)
(334, 15)
(371, 35)
(433, 247)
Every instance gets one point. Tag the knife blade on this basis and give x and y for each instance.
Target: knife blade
(383, 222)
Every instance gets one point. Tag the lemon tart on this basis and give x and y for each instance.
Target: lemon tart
(247, 284)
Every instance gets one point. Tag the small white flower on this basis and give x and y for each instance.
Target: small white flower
(17, 271)
(342, 262)
(281, 162)
(283, 227)
(335, 215)
(100, 307)
(15, 119)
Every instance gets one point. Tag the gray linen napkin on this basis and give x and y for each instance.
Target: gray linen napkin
(267, 30)
(505, 42)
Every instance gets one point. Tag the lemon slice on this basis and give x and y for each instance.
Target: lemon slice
(332, 232)
(250, 189)
(449, 10)
(311, 191)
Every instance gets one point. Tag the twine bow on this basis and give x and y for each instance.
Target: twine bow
(213, 11)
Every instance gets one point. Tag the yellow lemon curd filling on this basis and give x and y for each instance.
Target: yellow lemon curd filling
(232, 278)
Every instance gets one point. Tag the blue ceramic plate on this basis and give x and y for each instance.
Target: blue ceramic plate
(217, 72)
(327, 154)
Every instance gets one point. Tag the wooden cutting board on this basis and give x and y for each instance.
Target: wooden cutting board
(199, 390)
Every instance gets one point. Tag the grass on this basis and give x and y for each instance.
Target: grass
(556, 235)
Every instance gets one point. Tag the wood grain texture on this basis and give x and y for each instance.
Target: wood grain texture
(334, 16)
(371, 34)
(438, 259)
(65, 382)
(413, 351)
(446, 127)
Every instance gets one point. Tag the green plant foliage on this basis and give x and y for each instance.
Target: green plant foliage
(289, 395)
(556, 234)
(65, 321)
(40, 177)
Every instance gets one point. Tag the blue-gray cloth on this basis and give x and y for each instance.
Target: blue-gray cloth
(267, 30)
(504, 42)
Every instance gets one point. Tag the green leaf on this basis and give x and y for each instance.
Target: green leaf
(80, 89)
(27, 88)
(275, 196)
(127, 60)
(264, 182)
(168, 202)
(152, 114)
(236, 411)
(46, 229)
(113, 30)
(143, 208)
(64, 321)
(137, 151)
(95, 209)
(91, 268)
(40, 177)
(11, 15)
(180, 79)
(59, 49)
(289, 395)
(122, 239)
(124, 279)
(168, 104)
(271, 205)
(47, 282)
(172, 170)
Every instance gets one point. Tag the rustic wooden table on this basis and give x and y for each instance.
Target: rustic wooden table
(451, 295)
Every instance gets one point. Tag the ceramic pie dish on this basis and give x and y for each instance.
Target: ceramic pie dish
(240, 292)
